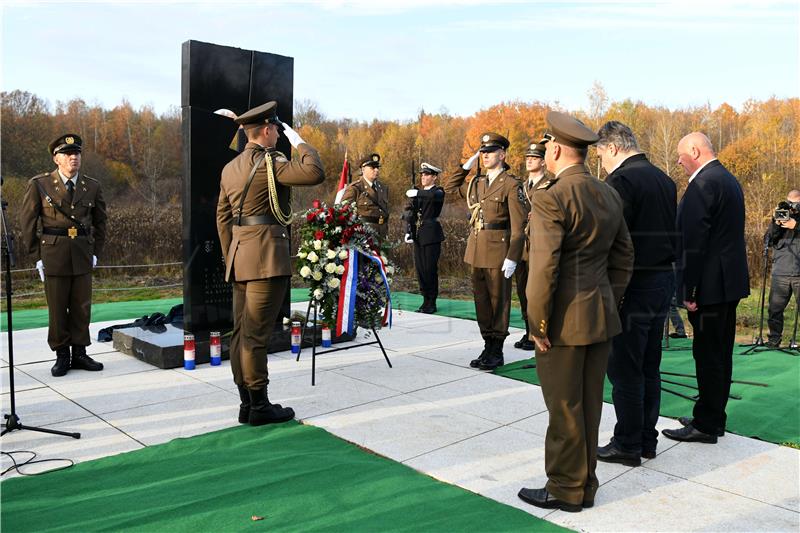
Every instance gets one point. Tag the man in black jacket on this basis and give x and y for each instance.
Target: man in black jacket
(784, 237)
(712, 278)
(649, 199)
(424, 230)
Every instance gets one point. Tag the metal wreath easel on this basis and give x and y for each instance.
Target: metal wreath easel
(315, 352)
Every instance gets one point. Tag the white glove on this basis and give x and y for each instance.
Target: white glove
(292, 135)
(94, 261)
(471, 161)
(40, 268)
(411, 193)
(508, 267)
(408, 239)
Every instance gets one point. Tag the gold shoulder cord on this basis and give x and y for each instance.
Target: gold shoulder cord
(285, 219)
(473, 208)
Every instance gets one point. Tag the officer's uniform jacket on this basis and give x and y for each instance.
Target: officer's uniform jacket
(62, 255)
(422, 216)
(260, 251)
(369, 201)
(582, 255)
(501, 204)
(529, 190)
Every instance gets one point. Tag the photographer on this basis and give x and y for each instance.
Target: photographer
(785, 241)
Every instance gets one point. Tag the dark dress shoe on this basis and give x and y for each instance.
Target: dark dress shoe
(525, 344)
(648, 454)
(689, 434)
(542, 498)
(428, 310)
(675, 335)
(687, 421)
(491, 362)
(612, 453)
(475, 363)
(587, 504)
(62, 363)
(84, 362)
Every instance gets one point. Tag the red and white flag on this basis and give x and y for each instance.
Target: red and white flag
(342, 180)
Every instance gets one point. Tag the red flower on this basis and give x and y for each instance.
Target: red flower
(310, 217)
(316, 204)
(319, 235)
(342, 218)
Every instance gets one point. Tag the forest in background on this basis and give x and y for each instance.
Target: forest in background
(136, 154)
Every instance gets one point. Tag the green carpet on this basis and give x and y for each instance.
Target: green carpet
(769, 413)
(298, 478)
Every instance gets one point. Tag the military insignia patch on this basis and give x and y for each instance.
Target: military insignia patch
(521, 196)
(69, 140)
(375, 157)
(281, 159)
(547, 184)
(486, 138)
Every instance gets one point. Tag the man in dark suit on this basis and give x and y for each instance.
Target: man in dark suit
(712, 278)
(649, 199)
(424, 230)
(71, 208)
(582, 258)
(253, 211)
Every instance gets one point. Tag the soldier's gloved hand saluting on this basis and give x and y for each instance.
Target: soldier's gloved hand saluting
(471, 161)
(292, 135)
(411, 193)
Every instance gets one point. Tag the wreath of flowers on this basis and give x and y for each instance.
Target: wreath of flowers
(326, 238)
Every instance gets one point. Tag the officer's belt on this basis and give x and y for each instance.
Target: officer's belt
(257, 220)
(63, 231)
(497, 225)
(373, 220)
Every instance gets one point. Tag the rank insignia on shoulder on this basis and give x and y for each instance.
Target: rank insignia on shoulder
(547, 184)
(281, 159)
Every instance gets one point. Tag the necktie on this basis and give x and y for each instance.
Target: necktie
(70, 190)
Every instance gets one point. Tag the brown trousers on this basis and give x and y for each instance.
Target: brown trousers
(256, 305)
(69, 307)
(521, 277)
(492, 292)
(572, 380)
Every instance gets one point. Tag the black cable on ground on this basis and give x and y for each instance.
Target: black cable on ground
(16, 466)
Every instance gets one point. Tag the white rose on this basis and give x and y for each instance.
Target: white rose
(313, 257)
(378, 277)
(340, 269)
(390, 270)
(330, 268)
(343, 254)
(333, 283)
(331, 254)
(384, 259)
(305, 271)
(317, 275)
(318, 294)
(302, 255)
(317, 245)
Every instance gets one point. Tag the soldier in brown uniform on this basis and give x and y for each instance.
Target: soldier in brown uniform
(534, 164)
(253, 212)
(498, 211)
(582, 255)
(370, 196)
(71, 208)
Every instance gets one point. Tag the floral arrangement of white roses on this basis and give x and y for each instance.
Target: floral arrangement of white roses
(326, 238)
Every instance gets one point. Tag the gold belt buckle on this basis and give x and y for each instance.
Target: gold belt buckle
(380, 219)
(72, 232)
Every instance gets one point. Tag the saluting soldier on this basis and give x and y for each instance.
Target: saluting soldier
(498, 210)
(424, 230)
(253, 213)
(534, 164)
(370, 196)
(72, 211)
(582, 257)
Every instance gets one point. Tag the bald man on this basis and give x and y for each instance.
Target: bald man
(711, 278)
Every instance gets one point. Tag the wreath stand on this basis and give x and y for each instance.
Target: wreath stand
(315, 352)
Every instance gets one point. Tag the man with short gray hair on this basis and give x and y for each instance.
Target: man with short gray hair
(649, 199)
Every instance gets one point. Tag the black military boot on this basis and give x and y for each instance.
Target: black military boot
(82, 361)
(525, 343)
(429, 306)
(262, 412)
(424, 304)
(62, 363)
(244, 407)
(475, 363)
(494, 358)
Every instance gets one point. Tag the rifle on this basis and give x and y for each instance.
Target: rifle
(412, 213)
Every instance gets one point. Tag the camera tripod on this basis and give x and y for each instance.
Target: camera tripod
(759, 345)
(12, 419)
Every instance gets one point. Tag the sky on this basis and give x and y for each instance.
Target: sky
(388, 60)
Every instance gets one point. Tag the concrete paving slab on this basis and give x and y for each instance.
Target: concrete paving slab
(114, 364)
(401, 427)
(22, 381)
(43, 406)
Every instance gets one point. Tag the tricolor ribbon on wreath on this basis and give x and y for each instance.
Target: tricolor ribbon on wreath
(345, 317)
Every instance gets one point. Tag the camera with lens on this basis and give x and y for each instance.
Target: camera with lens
(785, 211)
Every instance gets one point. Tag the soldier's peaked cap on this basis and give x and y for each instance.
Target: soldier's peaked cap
(372, 160)
(427, 168)
(536, 150)
(263, 114)
(493, 141)
(568, 130)
(69, 142)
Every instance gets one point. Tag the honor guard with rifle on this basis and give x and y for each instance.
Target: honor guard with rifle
(370, 196)
(73, 217)
(253, 215)
(424, 231)
(498, 211)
